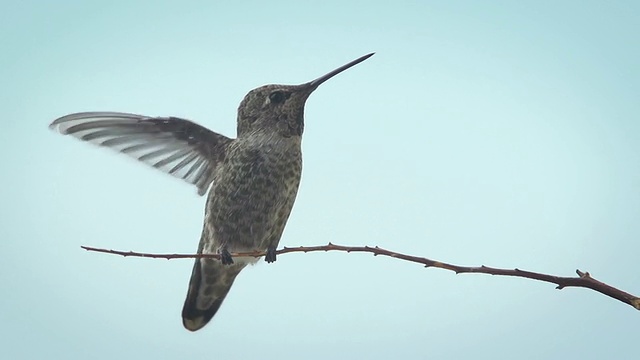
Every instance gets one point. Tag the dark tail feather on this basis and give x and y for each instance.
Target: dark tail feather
(209, 285)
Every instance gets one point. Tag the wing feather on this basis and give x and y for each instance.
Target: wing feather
(176, 146)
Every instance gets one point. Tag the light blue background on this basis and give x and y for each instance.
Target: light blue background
(503, 133)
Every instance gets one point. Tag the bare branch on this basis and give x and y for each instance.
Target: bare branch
(583, 280)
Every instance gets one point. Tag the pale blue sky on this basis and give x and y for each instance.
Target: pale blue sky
(501, 133)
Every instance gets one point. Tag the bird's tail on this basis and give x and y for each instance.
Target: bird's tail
(209, 285)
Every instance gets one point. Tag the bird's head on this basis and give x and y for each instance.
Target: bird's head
(280, 108)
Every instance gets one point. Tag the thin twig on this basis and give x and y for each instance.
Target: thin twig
(583, 280)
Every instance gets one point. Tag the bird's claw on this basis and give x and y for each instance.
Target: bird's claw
(271, 255)
(225, 257)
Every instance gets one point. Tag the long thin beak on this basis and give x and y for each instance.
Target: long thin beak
(315, 83)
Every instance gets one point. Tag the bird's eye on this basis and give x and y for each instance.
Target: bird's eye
(278, 97)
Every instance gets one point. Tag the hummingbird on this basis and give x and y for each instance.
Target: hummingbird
(252, 180)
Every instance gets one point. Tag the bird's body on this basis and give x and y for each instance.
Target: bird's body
(253, 179)
(253, 192)
(248, 206)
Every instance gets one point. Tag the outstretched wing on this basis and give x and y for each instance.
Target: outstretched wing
(176, 146)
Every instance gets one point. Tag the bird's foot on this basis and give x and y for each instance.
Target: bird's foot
(271, 254)
(225, 257)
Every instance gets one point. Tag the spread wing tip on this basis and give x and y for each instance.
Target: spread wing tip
(176, 146)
